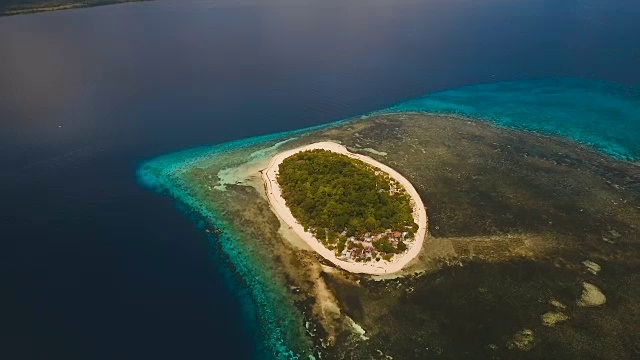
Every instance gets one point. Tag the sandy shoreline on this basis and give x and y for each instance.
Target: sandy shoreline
(278, 205)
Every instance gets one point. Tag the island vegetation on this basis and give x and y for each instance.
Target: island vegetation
(17, 7)
(351, 207)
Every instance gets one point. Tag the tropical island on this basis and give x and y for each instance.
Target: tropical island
(350, 207)
(18, 7)
(354, 211)
(532, 248)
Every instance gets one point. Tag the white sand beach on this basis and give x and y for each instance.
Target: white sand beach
(277, 202)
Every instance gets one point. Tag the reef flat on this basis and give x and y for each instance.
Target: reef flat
(532, 249)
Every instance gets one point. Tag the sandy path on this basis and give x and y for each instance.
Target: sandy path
(277, 202)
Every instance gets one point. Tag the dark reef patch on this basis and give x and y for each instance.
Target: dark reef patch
(516, 214)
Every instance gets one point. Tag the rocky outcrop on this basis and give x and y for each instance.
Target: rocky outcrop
(522, 340)
(591, 296)
(557, 304)
(551, 318)
(591, 267)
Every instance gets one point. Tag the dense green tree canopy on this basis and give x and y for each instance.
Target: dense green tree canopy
(328, 190)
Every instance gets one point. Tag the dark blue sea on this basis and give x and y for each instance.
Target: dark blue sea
(93, 266)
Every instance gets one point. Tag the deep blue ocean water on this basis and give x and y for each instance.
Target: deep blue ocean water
(95, 267)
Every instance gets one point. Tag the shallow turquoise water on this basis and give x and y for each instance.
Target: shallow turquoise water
(162, 175)
(603, 115)
(598, 114)
(261, 297)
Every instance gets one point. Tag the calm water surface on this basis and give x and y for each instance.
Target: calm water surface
(94, 266)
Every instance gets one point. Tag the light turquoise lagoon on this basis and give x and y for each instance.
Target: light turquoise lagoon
(603, 115)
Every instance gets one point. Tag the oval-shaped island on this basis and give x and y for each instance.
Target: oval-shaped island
(355, 212)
